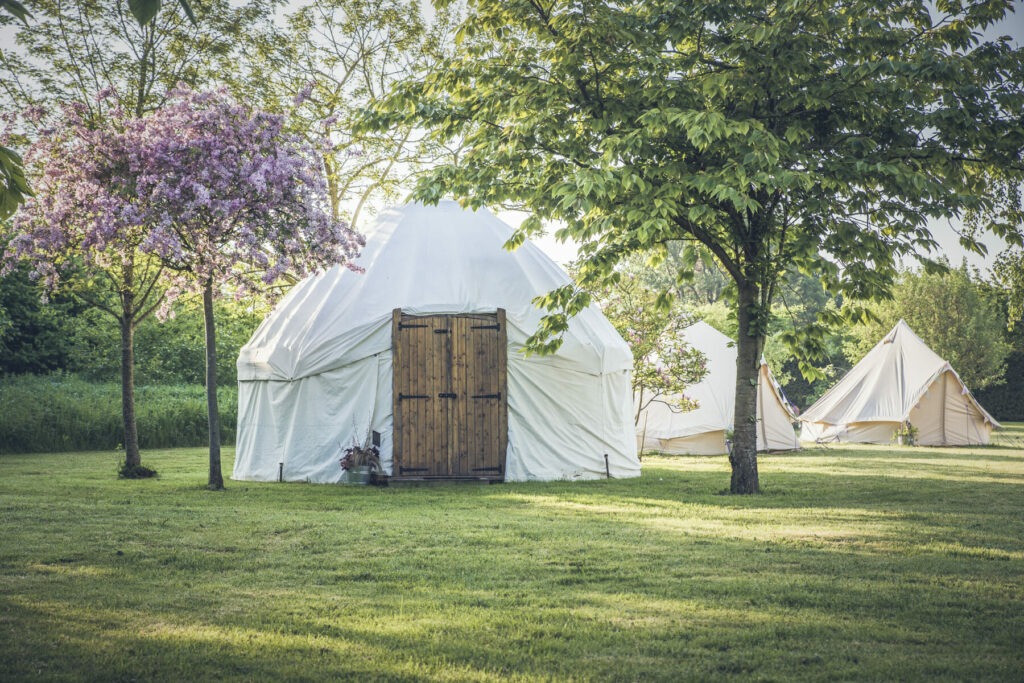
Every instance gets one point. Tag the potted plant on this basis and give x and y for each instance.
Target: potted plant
(906, 435)
(360, 463)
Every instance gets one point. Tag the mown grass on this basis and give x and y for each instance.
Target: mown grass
(856, 563)
(40, 414)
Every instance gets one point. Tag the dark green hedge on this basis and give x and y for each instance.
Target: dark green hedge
(1006, 401)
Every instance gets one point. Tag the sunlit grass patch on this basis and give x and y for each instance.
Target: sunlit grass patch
(861, 563)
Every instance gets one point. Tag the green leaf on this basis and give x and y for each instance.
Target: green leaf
(187, 9)
(515, 241)
(17, 9)
(664, 301)
(144, 11)
(14, 187)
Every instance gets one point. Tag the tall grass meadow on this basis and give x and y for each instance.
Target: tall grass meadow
(63, 412)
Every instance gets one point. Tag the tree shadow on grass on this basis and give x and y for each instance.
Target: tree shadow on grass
(849, 573)
(934, 487)
(567, 608)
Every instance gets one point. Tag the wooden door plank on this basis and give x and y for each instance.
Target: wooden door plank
(488, 385)
(458, 444)
(398, 374)
(432, 435)
(415, 387)
(502, 440)
(441, 385)
(483, 340)
(420, 408)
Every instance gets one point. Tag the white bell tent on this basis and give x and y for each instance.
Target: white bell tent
(424, 349)
(899, 381)
(702, 431)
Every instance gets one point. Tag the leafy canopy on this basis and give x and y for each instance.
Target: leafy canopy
(1008, 275)
(82, 228)
(323, 68)
(74, 49)
(816, 134)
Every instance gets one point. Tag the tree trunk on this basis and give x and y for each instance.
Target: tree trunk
(132, 457)
(216, 480)
(743, 456)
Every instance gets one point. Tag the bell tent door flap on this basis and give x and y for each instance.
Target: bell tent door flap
(450, 401)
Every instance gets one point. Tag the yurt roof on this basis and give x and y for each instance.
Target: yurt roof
(423, 260)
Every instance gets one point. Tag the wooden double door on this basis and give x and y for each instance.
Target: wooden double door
(450, 401)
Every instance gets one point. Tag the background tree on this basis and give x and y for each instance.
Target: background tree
(75, 49)
(33, 335)
(702, 291)
(663, 363)
(331, 61)
(1008, 276)
(228, 201)
(691, 274)
(171, 351)
(1006, 283)
(815, 134)
(952, 314)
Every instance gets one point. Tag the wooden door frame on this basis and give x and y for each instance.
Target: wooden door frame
(397, 317)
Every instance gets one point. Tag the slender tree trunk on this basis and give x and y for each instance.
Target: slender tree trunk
(132, 457)
(216, 480)
(743, 457)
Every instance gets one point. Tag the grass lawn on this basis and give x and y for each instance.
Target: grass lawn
(859, 563)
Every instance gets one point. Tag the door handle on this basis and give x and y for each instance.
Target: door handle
(447, 394)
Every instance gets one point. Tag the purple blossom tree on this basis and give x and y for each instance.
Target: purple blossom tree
(82, 232)
(213, 192)
(232, 204)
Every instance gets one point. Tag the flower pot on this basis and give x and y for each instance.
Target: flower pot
(359, 474)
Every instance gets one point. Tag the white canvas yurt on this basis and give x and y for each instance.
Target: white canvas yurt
(702, 431)
(899, 381)
(423, 352)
